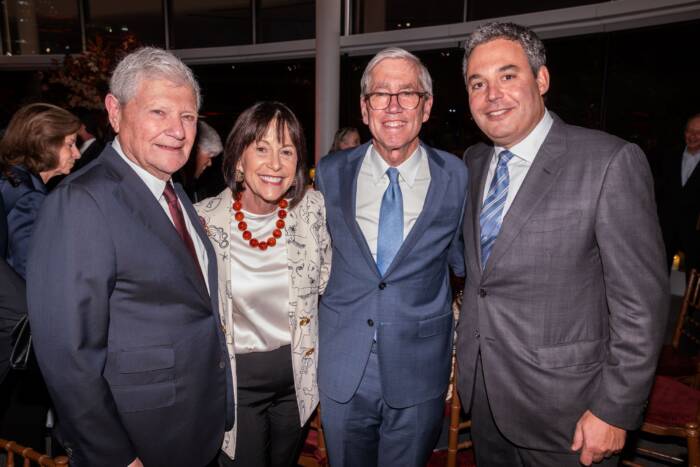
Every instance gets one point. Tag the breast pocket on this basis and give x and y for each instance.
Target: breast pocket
(553, 221)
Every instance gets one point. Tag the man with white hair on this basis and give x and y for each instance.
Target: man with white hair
(122, 288)
(394, 209)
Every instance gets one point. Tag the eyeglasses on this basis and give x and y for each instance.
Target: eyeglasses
(408, 100)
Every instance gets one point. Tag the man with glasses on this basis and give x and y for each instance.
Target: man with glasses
(385, 337)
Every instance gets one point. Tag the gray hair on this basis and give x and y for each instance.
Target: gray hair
(150, 62)
(208, 140)
(424, 79)
(528, 40)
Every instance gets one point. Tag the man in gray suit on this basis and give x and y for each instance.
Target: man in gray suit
(566, 294)
(394, 208)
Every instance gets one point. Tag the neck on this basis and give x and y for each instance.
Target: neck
(46, 176)
(256, 205)
(396, 156)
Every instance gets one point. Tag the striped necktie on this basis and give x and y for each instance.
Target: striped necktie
(492, 210)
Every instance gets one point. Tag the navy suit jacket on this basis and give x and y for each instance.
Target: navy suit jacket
(126, 334)
(409, 306)
(22, 203)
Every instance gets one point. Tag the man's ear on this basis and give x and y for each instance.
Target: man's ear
(364, 110)
(542, 79)
(114, 111)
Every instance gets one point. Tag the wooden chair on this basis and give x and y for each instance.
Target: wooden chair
(675, 360)
(455, 405)
(673, 411)
(314, 453)
(29, 455)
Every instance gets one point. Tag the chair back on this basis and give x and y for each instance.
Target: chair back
(28, 456)
(687, 332)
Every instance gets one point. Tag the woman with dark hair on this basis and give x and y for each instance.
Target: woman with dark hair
(39, 143)
(274, 254)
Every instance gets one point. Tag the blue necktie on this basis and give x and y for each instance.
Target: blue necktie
(390, 222)
(492, 210)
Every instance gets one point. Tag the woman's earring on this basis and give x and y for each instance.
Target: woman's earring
(238, 176)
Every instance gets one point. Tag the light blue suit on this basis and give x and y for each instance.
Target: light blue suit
(409, 308)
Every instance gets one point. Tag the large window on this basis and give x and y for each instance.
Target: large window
(484, 9)
(40, 27)
(210, 23)
(387, 15)
(285, 20)
(113, 19)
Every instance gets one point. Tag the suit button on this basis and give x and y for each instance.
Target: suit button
(382, 285)
(370, 323)
(482, 292)
(476, 333)
(222, 364)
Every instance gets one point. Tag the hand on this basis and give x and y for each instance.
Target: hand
(596, 439)
(136, 463)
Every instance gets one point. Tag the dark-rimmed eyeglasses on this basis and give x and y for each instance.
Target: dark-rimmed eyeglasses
(408, 100)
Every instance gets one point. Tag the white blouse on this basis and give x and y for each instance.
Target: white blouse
(260, 288)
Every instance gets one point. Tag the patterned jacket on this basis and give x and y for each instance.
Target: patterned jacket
(309, 262)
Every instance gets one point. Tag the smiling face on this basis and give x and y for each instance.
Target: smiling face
(268, 167)
(395, 129)
(505, 98)
(157, 126)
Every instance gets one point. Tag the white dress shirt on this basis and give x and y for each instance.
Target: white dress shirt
(157, 186)
(372, 182)
(690, 161)
(518, 167)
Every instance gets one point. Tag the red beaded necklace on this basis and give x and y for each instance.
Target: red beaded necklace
(243, 226)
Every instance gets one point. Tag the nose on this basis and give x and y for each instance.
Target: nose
(75, 153)
(494, 92)
(176, 128)
(394, 104)
(274, 161)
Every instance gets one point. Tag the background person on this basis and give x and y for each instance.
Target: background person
(39, 143)
(206, 147)
(274, 254)
(345, 138)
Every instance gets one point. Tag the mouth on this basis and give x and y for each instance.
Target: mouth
(169, 148)
(271, 179)
(394, 124)
(497, 114)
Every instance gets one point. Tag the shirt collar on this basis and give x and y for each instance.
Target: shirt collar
(528, 148)
(86, 145)
(687, 154)
(408, 170)
(154, 184)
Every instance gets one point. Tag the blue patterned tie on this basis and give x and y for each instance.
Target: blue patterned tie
(492, 210)
(390, 222)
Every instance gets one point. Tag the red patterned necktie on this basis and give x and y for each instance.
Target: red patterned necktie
(179, 223)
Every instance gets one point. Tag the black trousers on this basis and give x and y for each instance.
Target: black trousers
(269, 430)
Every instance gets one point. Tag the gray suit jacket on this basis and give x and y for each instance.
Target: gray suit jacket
(126, 334)
(569, 313)
(409, 306)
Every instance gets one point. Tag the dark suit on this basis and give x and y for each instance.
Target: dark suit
(679, 209)
(22, 200)
(408, 307)
(13, 301)
(125, 332)
(569, 313)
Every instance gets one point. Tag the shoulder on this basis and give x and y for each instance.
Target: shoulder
(340, 158)
(312, 201)
(451, 163)
(20, 190)
(214, 203)
(590, 140)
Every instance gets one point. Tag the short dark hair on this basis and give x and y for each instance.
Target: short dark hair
(34, 136)
(250, 127)
(532, 45)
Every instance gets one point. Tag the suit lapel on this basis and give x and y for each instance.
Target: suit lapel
(139, 200)
(439, 181)
(480, 169)
(538, 181)
(348, 191)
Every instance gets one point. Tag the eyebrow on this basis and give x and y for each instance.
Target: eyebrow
(500, 70)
